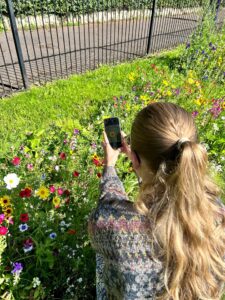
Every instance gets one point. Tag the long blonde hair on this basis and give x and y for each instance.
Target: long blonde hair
(180, 199)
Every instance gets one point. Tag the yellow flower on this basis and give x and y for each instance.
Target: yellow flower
(95, 156)
(191, 73)
(166, 83)
(43, 192)
(169, 93)
(131, 76)
(191, 81)
(197, 83)
(173, 86)
(223, 105)
(7, 210)
(220, 60)
(56, 201)
(200, 101)
(144, 97)
(5, 201)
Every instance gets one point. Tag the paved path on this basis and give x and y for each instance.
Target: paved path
(59, 52)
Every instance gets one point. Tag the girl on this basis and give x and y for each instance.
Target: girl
(170, 242)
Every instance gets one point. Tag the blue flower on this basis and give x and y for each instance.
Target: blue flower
(188, 45)
(23, 227)
(52, 235)
(27, 248)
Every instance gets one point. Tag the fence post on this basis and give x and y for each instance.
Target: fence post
(151, 26)
(17, 42)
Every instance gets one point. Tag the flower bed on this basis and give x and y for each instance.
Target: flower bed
(49, 184)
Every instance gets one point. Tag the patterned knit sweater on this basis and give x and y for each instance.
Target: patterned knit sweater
(125, 268)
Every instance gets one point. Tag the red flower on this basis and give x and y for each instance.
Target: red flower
(28, 242)
(25, 193)
(3, 230)
(60, 191)
(24, 218)
(52, 189)
(99, 175)
(71, 231)
(76, 174)
(62, 155)
(67, 201)
(97, 162)
(66, 193)
(16, 161)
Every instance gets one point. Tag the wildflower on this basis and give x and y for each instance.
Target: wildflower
(80, 280)
(30, 167)
(36, 282)
(11, 181)
(52, 189)
(56, 201)
(52, 235)
(3, 230)
(16, 161)
(195, 113)
(24, 218)
(17, 268)
(57, 168)
(188, 45)
(60, 191)
(23, 227)
(99, 175)
(5, 200)
(191, 81)
(131, 76)
(43, 176)
(169, 93)
(7, 210)
(2, 217)
(144, 97)
(43, 193)
(28, 245)
(165, 83)
(25, 193)
(62, 155)
(76, 131)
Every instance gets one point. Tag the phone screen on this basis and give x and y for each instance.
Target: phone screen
(112, 129)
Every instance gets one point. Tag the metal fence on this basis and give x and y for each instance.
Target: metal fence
(48, 39)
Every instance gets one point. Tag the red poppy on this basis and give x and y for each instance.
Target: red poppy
(71, 231)
(62, 155)
(24, 218)
(16, 161)
(25, 193)
(76, 174)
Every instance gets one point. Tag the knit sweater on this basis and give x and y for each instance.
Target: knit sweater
(125, 268)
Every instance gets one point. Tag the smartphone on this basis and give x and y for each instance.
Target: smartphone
(113, 131)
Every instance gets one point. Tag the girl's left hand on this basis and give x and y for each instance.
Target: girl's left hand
(110, 154)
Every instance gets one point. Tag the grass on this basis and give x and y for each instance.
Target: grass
(64, 100)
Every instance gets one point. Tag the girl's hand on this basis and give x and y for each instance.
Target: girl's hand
(125, 147)
(110, 154)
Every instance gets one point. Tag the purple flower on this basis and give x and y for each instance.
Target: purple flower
(177, 92)
(210, 44)
(195, 113)
(203, 52)
(76, 131)
(188, 45)
(214, 48)
(93, 145)
(17, 268)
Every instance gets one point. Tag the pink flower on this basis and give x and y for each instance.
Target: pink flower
(2, 217)
(60, 191)
(52, 189)
(3, 230)
(16, 161)
(30, 167)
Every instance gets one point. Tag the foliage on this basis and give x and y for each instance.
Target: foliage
(62, 7)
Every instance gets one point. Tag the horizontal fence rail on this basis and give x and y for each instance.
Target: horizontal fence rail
(42, 40)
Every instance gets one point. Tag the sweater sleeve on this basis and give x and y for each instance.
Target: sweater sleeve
(111, 188)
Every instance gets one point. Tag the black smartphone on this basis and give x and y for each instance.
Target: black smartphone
(113, 131)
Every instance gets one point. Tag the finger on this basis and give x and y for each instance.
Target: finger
(123, 134)
(105, 137)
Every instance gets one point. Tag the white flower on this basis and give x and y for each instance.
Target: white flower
(36, 282)
(62, 223)
(11, 180)
(57, 168)
(219, 168)
(215, 127)
(80, 280)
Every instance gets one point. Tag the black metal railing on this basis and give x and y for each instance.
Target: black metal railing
(41, 40)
